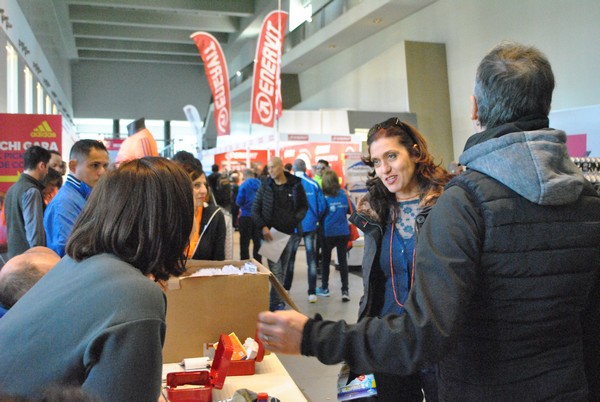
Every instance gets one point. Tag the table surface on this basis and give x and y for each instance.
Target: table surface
(271, 377)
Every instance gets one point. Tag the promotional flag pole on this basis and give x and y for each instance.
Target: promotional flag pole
(278, 101)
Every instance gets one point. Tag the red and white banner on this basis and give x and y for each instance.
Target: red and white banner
(20, 131)
(266, 90)
(215, 68)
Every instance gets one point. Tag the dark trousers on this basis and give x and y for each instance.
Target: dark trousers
(341, 244)
(249, 231)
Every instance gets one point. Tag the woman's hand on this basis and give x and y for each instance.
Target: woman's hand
(282, 331)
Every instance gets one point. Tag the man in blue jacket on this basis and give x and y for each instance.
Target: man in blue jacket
(316, 208)
(88, 161)
(248, 230)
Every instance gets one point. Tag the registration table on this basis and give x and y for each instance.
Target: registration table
(270, 377)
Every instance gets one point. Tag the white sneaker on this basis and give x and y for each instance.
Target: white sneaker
(312, 298)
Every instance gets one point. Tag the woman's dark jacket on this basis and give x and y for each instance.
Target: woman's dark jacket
(373, 279)
(211, 245)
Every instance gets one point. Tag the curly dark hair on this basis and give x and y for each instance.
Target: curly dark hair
(142, 213)
(431, 176)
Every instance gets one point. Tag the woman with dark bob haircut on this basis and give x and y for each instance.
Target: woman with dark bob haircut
(97, 319)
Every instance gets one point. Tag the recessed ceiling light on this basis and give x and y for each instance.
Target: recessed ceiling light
(377, 21)
(332, 46)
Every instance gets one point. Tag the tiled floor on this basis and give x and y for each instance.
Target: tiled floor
(316, 380)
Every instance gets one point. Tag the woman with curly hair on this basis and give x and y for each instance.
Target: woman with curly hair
(403, 186)
(97, 319)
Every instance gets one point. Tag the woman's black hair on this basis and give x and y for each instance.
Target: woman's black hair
(142, 213)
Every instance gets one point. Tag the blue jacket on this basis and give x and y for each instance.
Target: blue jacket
(336, 208)
(245, 196)
(316, 203)
(62, 212)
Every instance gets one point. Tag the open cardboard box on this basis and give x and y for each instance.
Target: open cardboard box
(200, 309)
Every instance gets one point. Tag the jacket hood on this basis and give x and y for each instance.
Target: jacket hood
(534, 164)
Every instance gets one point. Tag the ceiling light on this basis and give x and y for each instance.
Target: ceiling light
(377, 21)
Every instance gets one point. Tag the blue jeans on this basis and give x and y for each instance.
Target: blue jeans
(311, 262)
(278, 269)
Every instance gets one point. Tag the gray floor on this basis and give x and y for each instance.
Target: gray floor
(316, 380)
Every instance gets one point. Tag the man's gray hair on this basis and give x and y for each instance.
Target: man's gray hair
(299, 165)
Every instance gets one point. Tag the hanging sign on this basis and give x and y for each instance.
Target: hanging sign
(215, 69)
(266, 90)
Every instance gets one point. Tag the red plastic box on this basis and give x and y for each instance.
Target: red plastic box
(247, 367)
(204, 380)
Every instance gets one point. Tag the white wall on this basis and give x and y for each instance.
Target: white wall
(367, 76)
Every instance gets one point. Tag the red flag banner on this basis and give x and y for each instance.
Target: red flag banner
(266, 97)
(215, 68)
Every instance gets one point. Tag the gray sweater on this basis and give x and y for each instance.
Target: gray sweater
(98, 324)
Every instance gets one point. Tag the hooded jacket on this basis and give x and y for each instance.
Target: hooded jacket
(506, 295)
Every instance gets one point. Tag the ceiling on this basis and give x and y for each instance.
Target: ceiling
(158, 31)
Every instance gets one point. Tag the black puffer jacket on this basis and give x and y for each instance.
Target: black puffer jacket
(266, 213)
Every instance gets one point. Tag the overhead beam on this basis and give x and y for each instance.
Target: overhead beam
(136, 33)
(155, 19)
(139, 47)
(139, 57)
(234, 8)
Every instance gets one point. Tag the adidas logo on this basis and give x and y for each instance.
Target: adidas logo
(43, 131)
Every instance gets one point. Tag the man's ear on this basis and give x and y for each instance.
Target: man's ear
(72, 165)
(474, 108)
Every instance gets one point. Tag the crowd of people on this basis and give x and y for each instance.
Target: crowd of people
(479, 284)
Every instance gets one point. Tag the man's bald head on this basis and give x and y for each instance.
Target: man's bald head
(23, 271)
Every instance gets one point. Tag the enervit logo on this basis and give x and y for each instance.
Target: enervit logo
(264, 107)
(223, 120)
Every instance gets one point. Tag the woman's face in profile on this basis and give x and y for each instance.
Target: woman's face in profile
(394, 166)
(200, 191)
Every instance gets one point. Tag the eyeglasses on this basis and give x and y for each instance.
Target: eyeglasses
(393, 122)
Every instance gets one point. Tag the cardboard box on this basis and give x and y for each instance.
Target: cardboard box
(200, 309)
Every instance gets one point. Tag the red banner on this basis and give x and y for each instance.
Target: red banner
(266, 91)
(20, 131)
(215, 68)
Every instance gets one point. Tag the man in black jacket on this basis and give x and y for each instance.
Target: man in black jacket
(506, 297)
(280, 204)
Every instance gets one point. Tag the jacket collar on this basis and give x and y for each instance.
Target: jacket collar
(80, 186)
(527, 123)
